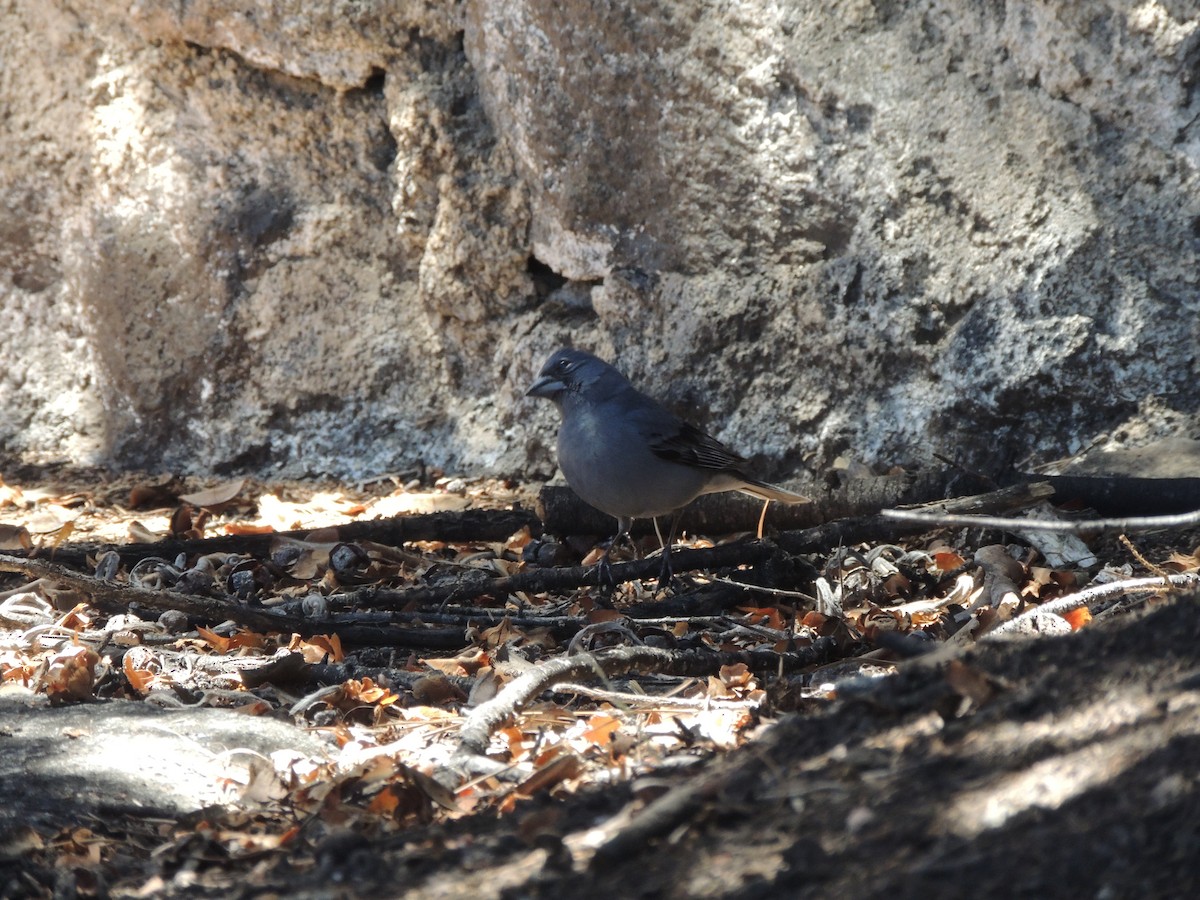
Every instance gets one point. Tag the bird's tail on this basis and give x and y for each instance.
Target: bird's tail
(764, 491)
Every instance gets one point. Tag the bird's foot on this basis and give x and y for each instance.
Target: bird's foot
(604, 574)
(666, 575)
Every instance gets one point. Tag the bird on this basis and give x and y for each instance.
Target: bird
(629, 456)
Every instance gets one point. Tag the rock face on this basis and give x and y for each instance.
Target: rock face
(289, 240)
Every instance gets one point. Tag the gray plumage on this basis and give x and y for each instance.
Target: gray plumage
(627, 455)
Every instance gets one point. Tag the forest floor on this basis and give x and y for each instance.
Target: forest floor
(405, 688)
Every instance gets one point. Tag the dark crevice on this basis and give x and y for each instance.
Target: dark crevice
(555, 291)
(374, 83)
(545, 280)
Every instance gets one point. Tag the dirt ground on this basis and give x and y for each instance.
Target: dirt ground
(1076, 777)
(1054, 766)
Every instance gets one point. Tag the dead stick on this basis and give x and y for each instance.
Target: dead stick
(124, 594)
(1090, 595)
(214, 610)
(1084, 526)
(477, 730)
(886, 527)
(464, 525)
(537, 581)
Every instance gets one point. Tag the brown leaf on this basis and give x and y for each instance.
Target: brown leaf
(437, 690)
(764, 615)
(548, 776)
(1077, 618)
(214, 640)
(216, 496)
(71, 674)
(15, 537)
(601, 728)
(154, 496)
(181, 521)
(466, 664)
(948, 560)
(813, 620)
(143, 535)
(247, 528)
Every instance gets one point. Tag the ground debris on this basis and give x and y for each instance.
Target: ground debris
(393, 683)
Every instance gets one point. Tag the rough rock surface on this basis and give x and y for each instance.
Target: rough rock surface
(338, 238)
(63, 765)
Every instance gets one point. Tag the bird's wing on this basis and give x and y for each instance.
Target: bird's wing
(684, 443)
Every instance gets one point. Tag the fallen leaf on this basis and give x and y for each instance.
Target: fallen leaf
(437, 689)
(247, 528)
(214, 640)
(601, 728)
(1077, 618)
(216, 496)
(143, 535)
(15, 537)
(948, 560)
(548, 776)
(763, 615)
(71, 674)
(154, 496)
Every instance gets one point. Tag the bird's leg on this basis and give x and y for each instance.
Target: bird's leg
(603, 566)
(666, 573)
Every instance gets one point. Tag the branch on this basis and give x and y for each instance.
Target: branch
(564, 513)
(887, 527)
(536, 581)
(1084, 526)
(215, 610)
(476, 731)
(462, 525)
(1090, 595)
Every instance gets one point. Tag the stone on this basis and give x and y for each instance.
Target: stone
(288, 240)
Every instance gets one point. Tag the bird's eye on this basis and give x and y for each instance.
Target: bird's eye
(565, 366)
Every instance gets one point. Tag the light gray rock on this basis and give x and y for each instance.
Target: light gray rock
(61, 765)
(290, 240)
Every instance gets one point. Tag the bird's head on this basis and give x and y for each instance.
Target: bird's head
(569, 371)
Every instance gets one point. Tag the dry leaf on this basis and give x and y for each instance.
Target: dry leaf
(814, 620)
(763, 615)
(140, 534)
(247, 528)
(71, 674)
(437, 689)
(1077, 618)
(214, 640)
(601, 728)
(154, 496)
(555, 773)
(217, 495)
(948, 560)
(15, 537)
(318, 648)
(467, 664)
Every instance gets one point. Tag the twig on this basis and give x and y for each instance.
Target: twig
(625, 698)
(623, 837)
(1090, 595)
(757, 588)
(1137, 554)
(476, 731)
(884, 527)
(537, 581)
(1144, 523)
(216, 610)
(462, 525)
(124, 594)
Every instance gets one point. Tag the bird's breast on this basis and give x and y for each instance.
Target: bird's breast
(610, 465)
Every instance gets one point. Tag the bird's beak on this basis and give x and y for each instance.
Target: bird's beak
(546, 386)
